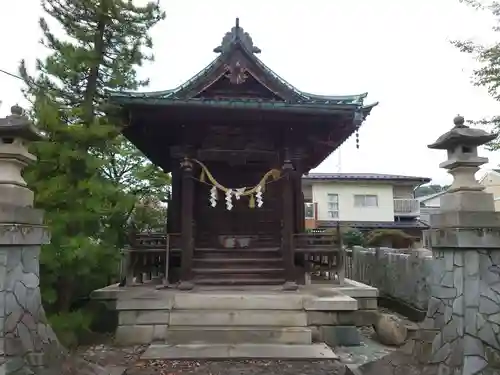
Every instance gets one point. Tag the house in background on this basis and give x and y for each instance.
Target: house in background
(363, 201)
(491, 182)
(430, 204)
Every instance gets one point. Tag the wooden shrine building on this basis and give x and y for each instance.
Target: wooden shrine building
(236, 139)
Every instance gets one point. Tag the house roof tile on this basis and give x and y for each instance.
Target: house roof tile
(364, 177)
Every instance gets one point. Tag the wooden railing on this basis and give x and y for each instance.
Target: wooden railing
(147, 258)
(323, 255)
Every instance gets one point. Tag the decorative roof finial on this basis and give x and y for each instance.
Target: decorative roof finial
(459, 122)
(237, 36)
(16, 110)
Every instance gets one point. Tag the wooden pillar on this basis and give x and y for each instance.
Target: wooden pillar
(175, 225)
(299, 214)
(186, 213)
(287, 246)
(298, 202)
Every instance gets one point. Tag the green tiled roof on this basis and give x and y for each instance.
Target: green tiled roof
(237, 38)
(306, 106)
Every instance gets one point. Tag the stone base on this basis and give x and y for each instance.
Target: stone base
(265, 315)
(22, 196)
(467, 201)
(358, 318)
(339, 335)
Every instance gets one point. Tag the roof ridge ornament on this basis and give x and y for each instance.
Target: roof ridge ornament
(237, 35)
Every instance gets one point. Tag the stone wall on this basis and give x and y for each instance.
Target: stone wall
(28, 344)
(400, 274)
(465, 303)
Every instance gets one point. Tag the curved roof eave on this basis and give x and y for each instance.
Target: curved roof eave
(163, 94)
(237, 41)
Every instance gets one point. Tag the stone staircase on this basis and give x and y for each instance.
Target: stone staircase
(238, 266)
(228, 324)
(231, 318)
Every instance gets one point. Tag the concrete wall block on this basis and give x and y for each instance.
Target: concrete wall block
(134, 334)
(358, 318)
(340, 336)
(160, 332)
(333, 303)
(193, 301)
(144, 304)
(239, 335)
(322, 318)
(396, 273)
(367, 303)
(283, 318)
(128, 317)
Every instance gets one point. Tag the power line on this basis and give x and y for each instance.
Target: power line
(11, 74)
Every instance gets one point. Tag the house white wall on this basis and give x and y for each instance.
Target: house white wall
(491, 182)
(403, 191)
(433, 202)
(346, 192)
(307, 191)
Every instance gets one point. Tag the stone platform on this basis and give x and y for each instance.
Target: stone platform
(240, 322)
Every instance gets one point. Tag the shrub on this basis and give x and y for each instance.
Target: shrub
(72, 327)
(389, 237)
(353, 237)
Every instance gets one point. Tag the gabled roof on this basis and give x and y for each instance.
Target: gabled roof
(403, 224)
(364, 177)
(237, 61)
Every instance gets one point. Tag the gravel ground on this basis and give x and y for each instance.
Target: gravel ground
(249, 367)
(370, 350)
(106, 355)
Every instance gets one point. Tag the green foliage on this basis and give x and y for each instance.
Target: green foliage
(429, 189)
(71, 327)
(88, 179)
(353, 237)
(389, 237)
(488, 57)
(350, 236)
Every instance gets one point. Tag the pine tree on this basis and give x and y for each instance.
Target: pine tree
(105, 42)
(488, 57)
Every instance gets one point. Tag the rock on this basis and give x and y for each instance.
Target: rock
(390, 330)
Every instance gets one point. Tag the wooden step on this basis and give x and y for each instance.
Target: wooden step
(237, 263)
(226, 270)
(230, 281)
(237, 253)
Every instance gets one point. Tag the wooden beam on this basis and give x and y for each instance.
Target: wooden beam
(287, 246)
(187, 243)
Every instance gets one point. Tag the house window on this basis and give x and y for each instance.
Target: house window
(309, 210)
(333, 206)
(365, 201)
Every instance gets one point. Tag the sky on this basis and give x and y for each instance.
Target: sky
(397, 51)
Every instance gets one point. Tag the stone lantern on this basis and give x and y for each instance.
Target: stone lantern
(16, 131)
(464, 305)
(461, 143)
